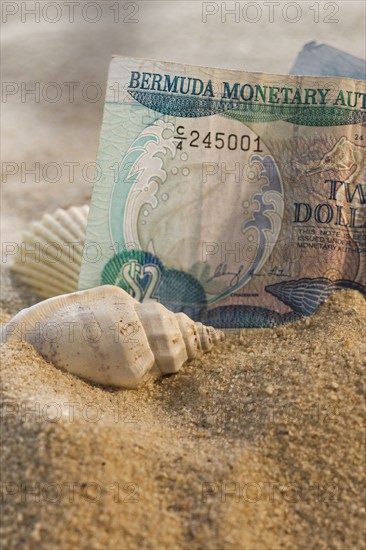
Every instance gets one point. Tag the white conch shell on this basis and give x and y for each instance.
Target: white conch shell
(105, 335)
(50, 255)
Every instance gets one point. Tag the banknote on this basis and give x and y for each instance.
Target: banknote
(236, 197)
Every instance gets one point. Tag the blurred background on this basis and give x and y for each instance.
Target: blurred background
(55, 65)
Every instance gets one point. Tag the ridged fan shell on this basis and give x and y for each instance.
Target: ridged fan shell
(58, 241)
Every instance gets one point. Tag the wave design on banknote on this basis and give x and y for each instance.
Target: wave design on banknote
(302, 115)
(266, 221)
(146, 153)
(305, 295)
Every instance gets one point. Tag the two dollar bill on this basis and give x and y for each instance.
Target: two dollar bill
(236, 197)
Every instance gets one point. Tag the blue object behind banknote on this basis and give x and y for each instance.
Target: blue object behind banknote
(323, 60)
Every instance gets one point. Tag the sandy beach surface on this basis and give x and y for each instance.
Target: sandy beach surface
(259, 445)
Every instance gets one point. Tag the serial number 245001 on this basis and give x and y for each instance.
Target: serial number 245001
(218, 140)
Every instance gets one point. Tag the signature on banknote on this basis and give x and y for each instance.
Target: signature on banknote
(222, 271)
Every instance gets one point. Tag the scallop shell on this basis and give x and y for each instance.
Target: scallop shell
(50, 255)
(108, 337)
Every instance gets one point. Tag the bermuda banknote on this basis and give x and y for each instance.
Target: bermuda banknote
(236, 197)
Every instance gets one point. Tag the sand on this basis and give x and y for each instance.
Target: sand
(258, 445)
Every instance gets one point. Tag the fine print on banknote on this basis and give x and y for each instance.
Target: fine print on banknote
(236, 197)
